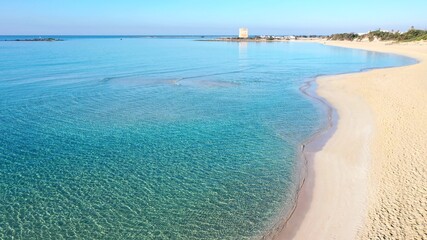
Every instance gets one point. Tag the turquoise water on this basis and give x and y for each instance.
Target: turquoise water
(156, 138)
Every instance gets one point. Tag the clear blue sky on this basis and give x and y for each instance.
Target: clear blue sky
(208, 16)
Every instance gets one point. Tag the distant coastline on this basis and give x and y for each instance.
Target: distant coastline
(241, 40)
(373, 36)
(34, 40)
(265, 38)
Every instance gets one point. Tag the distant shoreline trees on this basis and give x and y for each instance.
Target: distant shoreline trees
(409, 36)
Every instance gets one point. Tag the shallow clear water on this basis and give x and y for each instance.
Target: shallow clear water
(156, 137)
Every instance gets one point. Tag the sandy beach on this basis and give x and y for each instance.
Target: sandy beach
(370, 179)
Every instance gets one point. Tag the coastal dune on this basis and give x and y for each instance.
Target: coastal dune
(369, 181)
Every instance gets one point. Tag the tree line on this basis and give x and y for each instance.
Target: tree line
(411, 35)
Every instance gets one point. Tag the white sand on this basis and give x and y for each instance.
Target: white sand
(370, 179)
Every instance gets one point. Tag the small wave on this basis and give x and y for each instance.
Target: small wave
(194, 81)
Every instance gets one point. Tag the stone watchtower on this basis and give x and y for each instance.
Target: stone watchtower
(243, 33)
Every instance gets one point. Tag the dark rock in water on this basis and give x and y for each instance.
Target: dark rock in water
(36, 40)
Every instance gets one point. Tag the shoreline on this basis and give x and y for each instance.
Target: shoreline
(322, 192)
(243, 40)
(307, 150)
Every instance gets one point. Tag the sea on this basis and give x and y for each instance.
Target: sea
(157, 137)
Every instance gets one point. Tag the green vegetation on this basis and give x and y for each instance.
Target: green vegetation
(409, 36)
(381, 35)
(343, 36)
(413, 35)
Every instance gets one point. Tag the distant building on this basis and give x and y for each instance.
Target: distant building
(243, 33)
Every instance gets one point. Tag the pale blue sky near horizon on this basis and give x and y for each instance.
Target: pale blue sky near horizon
(133, 17)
